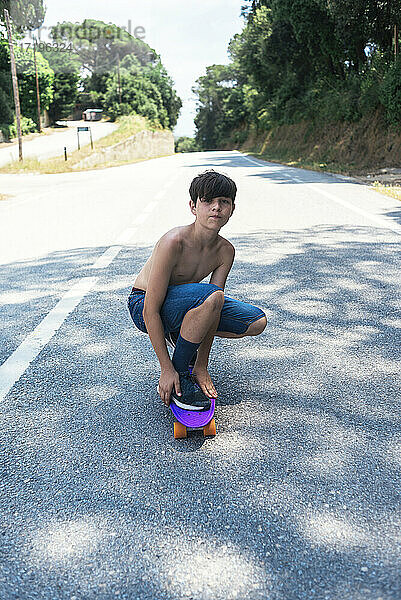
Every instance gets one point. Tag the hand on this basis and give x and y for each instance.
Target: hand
(169, 380)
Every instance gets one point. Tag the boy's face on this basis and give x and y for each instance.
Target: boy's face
(213, 213)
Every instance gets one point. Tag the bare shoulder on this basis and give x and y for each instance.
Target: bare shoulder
(227, 250)
(172, 238)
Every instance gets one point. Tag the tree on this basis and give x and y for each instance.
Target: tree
(99, 45)
(66, 68)
(147, 92)
(158, 75)
(102, 49)
(6, 102)
(327, 60)
(27, 81)
(25, 14)
(220, 106)
(186, 144)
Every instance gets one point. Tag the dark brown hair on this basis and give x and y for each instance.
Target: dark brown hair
(211, 184)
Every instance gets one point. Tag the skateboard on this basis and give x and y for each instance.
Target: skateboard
(192, 420)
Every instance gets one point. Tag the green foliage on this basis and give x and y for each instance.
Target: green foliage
(103, 48)
(6, 101)
(186, 144)
(27, 88)
(25, 14)
(27, 126)
(221, 106)
(66, 68)
(27, 82)
(99, 45)
(146, 91)
(320, 60)
(390, 93)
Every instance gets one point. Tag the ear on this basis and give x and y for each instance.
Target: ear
(232, 210)
(192, 207)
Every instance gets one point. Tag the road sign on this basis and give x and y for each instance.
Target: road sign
(79, 129)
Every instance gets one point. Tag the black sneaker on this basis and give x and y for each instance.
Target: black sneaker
(171, 339)
(192, 397)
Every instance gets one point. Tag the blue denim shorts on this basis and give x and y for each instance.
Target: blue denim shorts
(236, 316)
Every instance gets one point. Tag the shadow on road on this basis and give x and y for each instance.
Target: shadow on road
(297, 496)
(276, 172)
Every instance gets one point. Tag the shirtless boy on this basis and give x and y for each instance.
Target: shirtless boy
(169, 303)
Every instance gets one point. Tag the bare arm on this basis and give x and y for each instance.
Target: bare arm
(164, 259)
(219, 275)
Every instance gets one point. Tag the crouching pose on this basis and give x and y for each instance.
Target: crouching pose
(169, 303)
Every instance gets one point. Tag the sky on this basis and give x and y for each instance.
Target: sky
(189, 35)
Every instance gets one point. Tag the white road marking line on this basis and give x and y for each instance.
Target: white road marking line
(123, 239)
(105, 259)
(151, 205)
(17, 363)
(141, 219)
(383, 222)
(126, 236)
(251, 160)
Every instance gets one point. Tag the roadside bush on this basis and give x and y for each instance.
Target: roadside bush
(27, 126)
(186, 144)
(390, 93)
(372, 80)
(27, 81)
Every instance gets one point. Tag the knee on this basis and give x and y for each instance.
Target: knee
(215, 301)
(257, 327)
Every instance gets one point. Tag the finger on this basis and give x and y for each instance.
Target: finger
(162, 393)
(168, 397)
(178, 389)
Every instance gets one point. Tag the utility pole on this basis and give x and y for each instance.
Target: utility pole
(37, 86)
(395, 41)
(15, 82)
(119, 79)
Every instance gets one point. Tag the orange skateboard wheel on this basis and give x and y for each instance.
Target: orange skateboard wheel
(180, 431)
(210, 428)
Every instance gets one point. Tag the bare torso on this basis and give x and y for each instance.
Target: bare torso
(193, 264)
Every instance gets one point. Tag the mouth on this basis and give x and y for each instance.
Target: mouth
(214, 217)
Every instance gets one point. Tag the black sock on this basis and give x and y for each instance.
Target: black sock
(184, 351)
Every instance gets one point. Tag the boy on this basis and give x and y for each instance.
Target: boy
(169, 303)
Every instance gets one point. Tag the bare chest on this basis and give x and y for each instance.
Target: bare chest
(194, 266)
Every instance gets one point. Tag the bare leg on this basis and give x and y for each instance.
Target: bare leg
(200, 371)
(199, 326)
(196, 322)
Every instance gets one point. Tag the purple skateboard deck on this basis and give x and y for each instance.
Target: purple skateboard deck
(193, 418)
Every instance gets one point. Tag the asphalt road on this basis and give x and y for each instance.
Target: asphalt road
(53, 144)
(298, 496)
